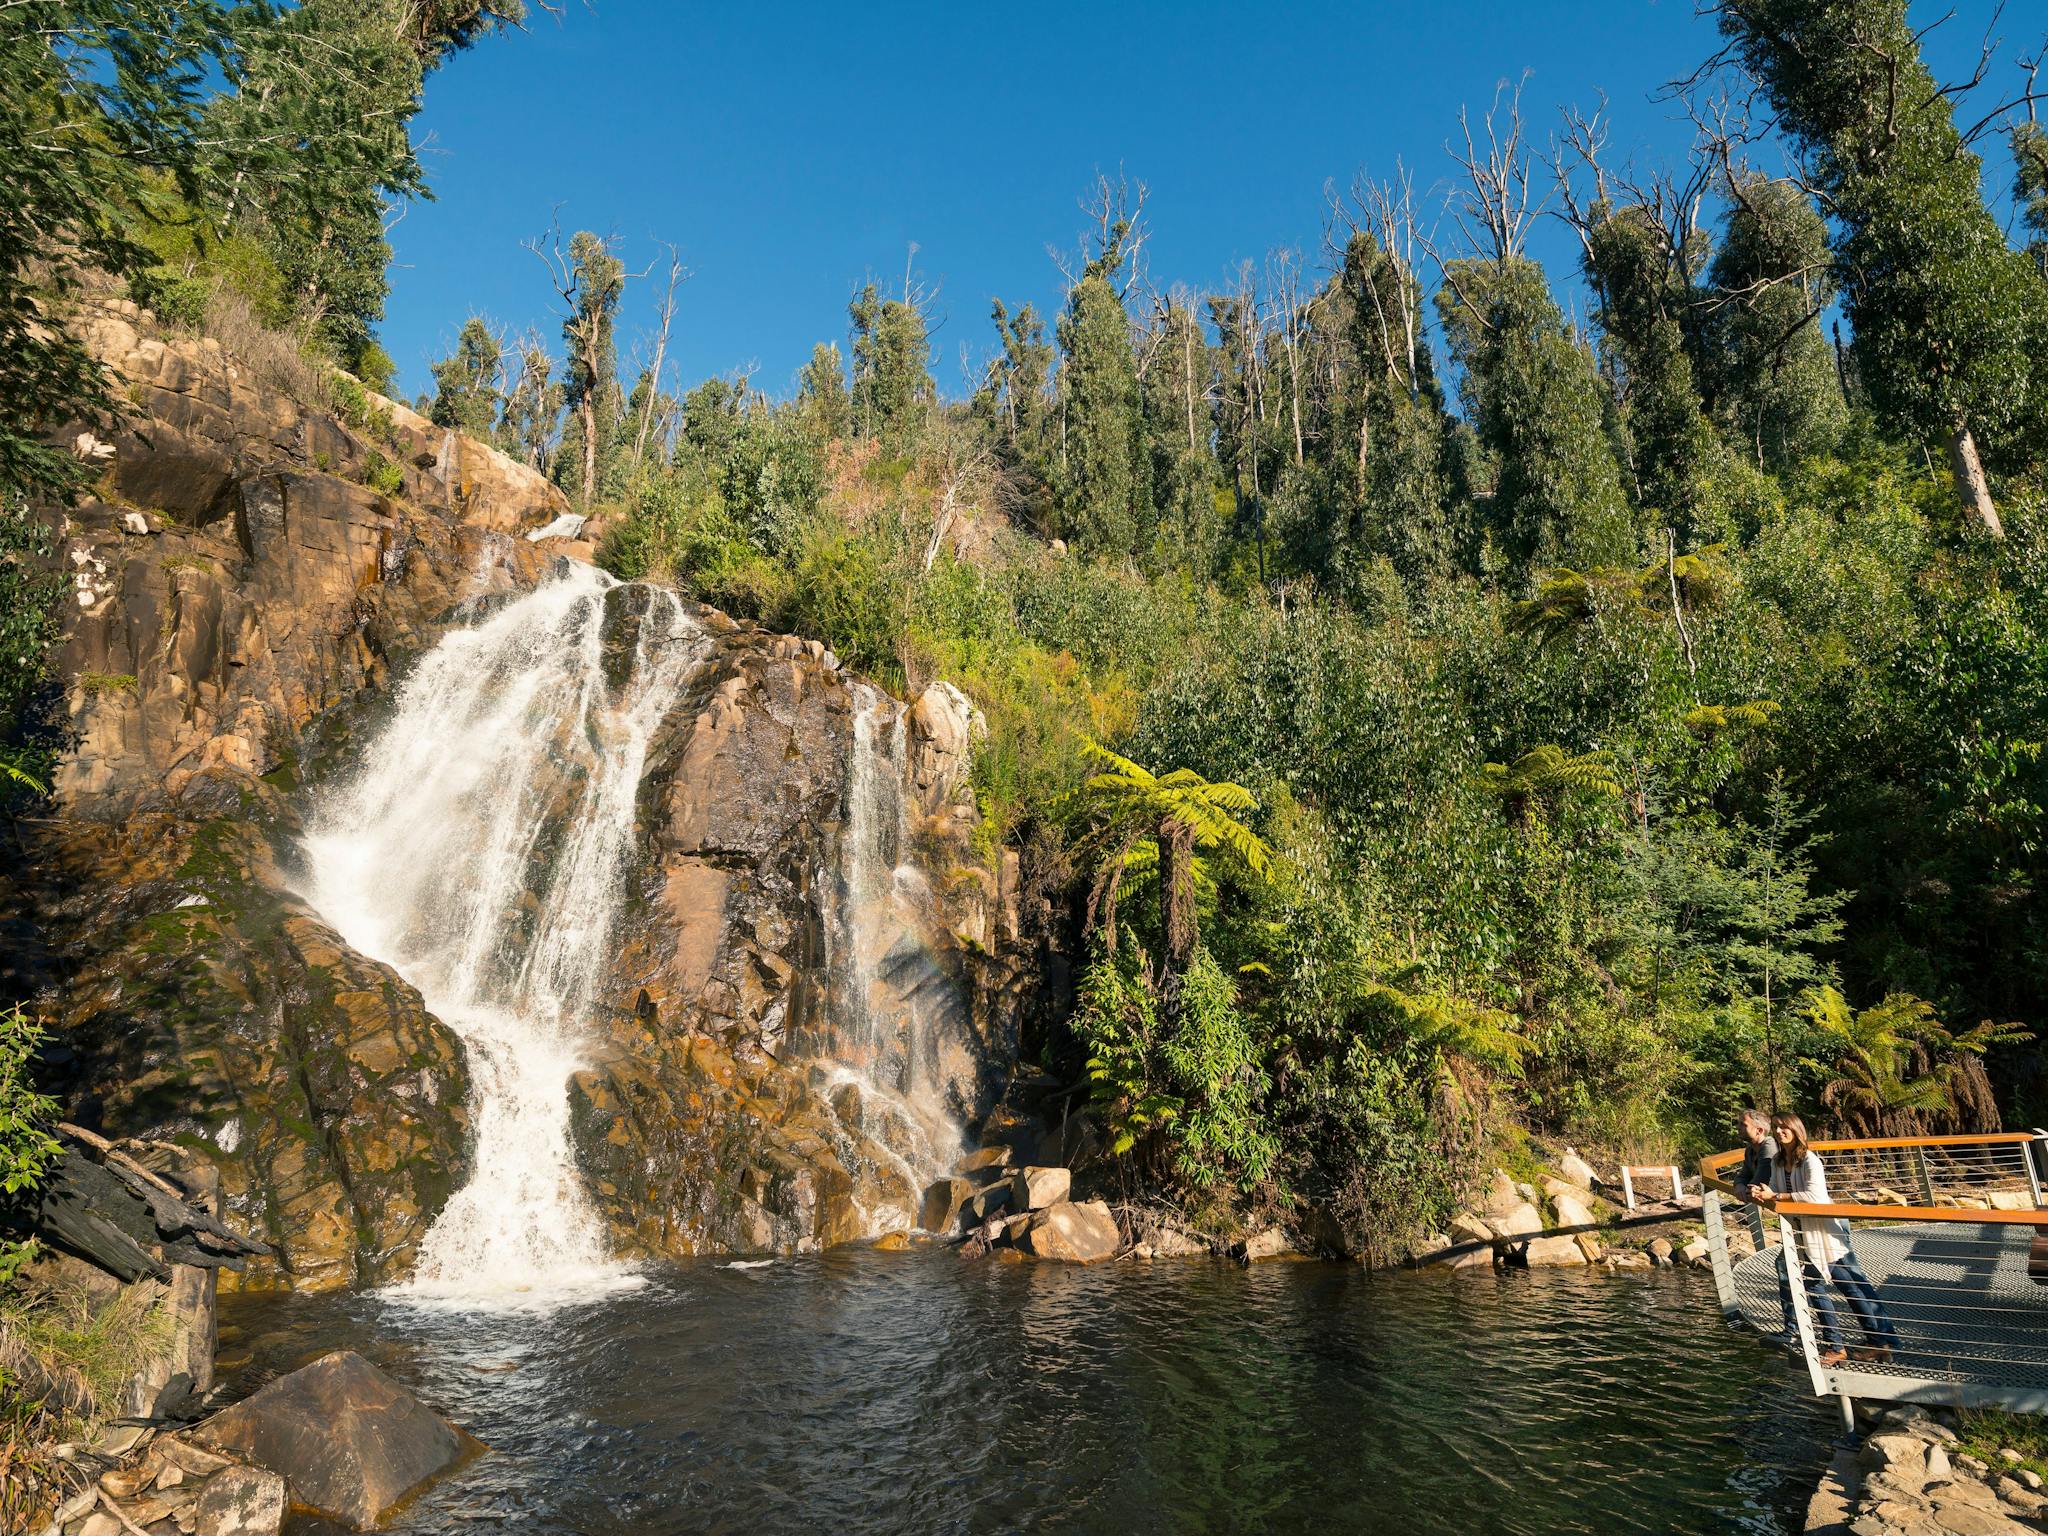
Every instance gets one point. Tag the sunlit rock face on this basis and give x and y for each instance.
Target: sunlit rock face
(236, 597)
(811, 1006)
(760, 1016)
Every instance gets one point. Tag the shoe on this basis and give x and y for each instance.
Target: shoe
(1830, 1358)
(1878, 1356)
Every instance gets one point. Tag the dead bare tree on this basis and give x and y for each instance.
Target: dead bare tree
(1115, 241)
(678, 274)
(1292, 312)
(1499, 204)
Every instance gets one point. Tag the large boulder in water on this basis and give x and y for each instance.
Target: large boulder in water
(1077, 1233)
(349, 1442)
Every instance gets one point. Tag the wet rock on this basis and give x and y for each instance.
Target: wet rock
(347, 1439)
(982, 1159)
(241, 1501)
(994, 1200)
(943, 1201)
(1084, 1233)
(1034, 1189)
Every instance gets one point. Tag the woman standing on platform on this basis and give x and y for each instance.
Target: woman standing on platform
(1797, 1175)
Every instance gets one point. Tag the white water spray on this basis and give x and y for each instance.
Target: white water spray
(481, 852)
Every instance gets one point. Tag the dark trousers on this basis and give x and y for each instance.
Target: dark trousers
(1848, 1278)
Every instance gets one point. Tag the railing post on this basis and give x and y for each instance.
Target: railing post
(2033, 1169)
(1717, 1251)
(1926, 1184)
(1791, 1256)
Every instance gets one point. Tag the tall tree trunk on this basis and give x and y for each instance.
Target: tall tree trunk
(1972, 489)
(586, 411)
(1177, 905)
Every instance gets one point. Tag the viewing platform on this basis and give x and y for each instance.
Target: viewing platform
(1943, 1227)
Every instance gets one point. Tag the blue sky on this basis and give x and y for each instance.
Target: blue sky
(790, 149)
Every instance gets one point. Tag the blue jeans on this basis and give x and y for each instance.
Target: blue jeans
(1855, 1288)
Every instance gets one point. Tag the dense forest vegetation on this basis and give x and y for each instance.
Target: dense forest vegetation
(1423, 715)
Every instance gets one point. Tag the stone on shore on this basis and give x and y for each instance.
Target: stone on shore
(350, 1442)
(1036, 1189)
(241, 1501)
(984, 1158)
(1573, 1211)
(1518, 1221)
(1577, 1170)
(1553, 1253)
(1269, 1244)
(1502, 1196)
(944, 1199)
(1083, 1233)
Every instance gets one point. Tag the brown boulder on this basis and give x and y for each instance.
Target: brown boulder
(350, 1442)
(942, 1204)
(1034, 1189)
(1078, 1234)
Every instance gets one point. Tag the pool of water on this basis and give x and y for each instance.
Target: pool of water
(869, 1392)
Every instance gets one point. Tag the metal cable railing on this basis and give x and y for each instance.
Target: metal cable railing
(1933, 1294)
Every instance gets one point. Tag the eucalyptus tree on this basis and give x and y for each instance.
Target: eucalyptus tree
(1528, 381)
(1104, 480)
(469, 382)
(1945, 313)
(590, 280)
(821, 399)
(1176, 378)
(1768, 370)
(892, 381)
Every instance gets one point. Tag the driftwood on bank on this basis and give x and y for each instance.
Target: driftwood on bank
(100, 1204)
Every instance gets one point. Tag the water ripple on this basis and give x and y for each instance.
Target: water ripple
(861, 1392)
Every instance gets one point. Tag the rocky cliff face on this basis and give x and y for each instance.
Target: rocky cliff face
(795, 1048)
(241, 602)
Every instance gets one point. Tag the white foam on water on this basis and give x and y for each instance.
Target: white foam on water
(481, 851)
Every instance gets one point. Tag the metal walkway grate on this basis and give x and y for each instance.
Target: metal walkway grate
(1971, 1323)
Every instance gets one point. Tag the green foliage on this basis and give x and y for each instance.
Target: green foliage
(381, 475)
(1536, 400)
(26, 1147)
(1948, 319)
(1768, 371)
(1191, 1094)
(892, 382)
(1105, 473)
(468, 384)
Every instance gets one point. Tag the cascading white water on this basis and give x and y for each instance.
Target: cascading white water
(480, 851)
(902, 1108)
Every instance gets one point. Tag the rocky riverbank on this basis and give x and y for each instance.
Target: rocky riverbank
(1909, 1477)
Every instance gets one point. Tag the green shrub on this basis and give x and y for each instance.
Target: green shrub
(26, 1147)
(383, 476)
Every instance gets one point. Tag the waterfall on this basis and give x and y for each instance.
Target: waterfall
(481, 851)
(885, 1045)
